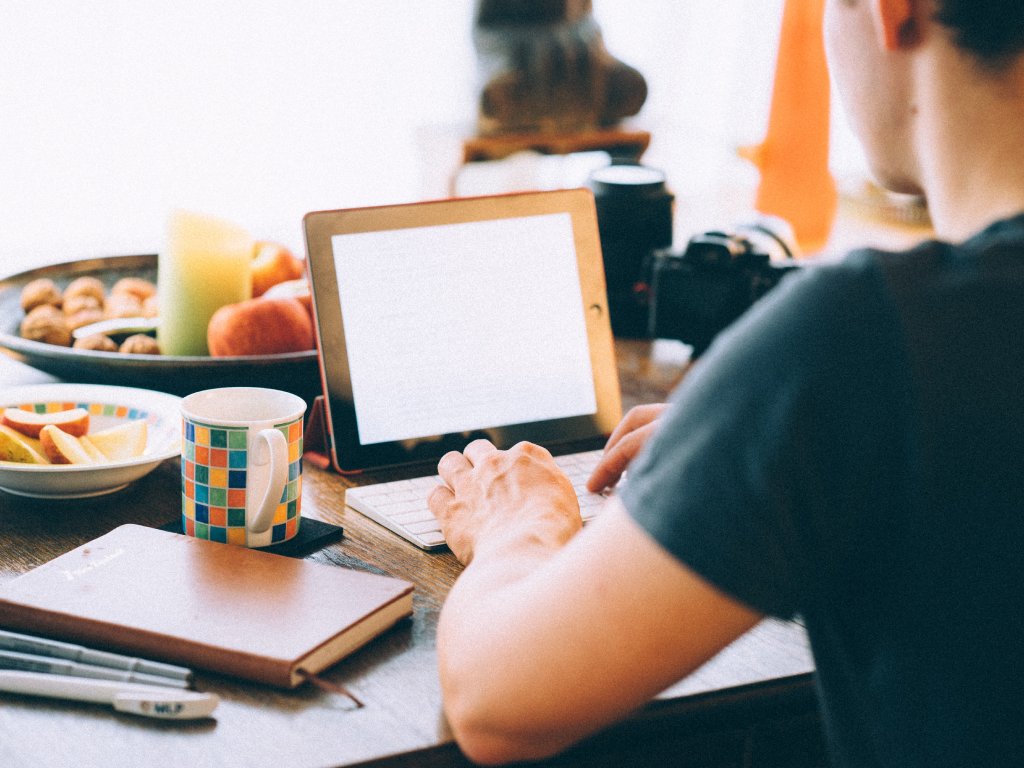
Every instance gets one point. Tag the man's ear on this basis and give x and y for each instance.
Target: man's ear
(898, 23)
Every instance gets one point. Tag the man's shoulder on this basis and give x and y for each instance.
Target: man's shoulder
(815, 307)
(936, 256)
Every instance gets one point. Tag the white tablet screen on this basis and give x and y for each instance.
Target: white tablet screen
(460, 327)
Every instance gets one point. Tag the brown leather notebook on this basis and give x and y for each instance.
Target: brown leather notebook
(203, 604)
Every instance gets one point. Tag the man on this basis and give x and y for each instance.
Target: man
(851, 451)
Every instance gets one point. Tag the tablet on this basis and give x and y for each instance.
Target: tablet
(443, 321)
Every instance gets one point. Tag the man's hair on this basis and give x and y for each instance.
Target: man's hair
(991, 30)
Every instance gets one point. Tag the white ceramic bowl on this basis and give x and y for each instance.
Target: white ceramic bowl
(107, 407)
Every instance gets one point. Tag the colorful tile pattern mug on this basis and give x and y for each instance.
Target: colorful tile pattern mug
(241, 465)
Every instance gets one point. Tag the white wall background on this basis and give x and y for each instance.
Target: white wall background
(114, 112)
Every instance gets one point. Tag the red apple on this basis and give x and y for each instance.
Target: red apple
(296, 289)
(263, 326)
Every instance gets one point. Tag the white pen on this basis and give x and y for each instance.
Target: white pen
(28, 662)
(145, 700)
(14, 641)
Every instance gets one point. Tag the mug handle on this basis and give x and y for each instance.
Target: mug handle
(277, 448)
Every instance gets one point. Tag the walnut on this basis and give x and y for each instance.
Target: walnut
(46, 323)
(39, 293)
(150, 306)
(122, 305)
(82, 317)
(140, 344)
(77, 302)
(45, 310)
(99, 342)
(85, 286)
(134, 286)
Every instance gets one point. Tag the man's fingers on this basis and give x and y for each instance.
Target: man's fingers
(439, 499)
(638, 416)
(624, 427)
(617, 459)
(609, 470)
(451, 465)
(478, 450)
(530, 449)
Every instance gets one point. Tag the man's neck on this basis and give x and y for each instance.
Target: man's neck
(970, 141)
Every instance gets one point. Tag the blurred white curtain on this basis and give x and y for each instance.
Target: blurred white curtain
(114, 112)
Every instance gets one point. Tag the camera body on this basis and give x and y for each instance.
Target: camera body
(657, 292)
(694, 294)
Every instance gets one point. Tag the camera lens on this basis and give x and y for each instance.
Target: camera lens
(629, 179)
(634, 218)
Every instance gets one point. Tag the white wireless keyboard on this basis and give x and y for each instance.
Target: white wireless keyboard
(401, 505)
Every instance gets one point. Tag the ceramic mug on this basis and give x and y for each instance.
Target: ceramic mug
(241, 465)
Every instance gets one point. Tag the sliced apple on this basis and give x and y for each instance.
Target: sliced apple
(74, 421)
(125, 441)
(61, 448)
(91, 450)
(19, 448)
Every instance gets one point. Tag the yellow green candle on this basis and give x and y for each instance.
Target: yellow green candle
(205, 264)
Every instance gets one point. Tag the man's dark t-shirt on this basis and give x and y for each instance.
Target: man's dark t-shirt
(852, 450)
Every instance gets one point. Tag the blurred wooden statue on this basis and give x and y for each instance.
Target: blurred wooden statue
(544, 68)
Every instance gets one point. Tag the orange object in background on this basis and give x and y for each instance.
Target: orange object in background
(796, 183)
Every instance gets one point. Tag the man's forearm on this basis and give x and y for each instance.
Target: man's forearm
(539, 651)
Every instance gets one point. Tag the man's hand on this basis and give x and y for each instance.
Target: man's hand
(503, 500)
(624, 444)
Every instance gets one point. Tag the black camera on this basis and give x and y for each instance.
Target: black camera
(656, 292)
(694, 294)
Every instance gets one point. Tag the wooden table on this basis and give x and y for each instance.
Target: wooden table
(752, 705)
